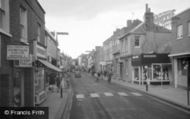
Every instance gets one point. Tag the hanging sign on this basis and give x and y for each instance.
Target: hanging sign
(17, 52)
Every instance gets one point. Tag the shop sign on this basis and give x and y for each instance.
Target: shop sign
(149, 56)
(17, 52)
(135, 57)
(164, 18)
(41, 52)
(24, 63)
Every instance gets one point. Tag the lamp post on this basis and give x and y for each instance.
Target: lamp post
(56, 37)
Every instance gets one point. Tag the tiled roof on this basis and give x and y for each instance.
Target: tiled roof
(141, 29)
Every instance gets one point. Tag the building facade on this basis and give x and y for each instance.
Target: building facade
(6, 83)
(146, 37)
(18, 67)
(180, 48)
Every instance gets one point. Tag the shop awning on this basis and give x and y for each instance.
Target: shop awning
(49, 65)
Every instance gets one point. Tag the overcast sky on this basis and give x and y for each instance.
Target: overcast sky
(91, 22)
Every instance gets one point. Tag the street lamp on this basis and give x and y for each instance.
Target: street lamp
(56, 37)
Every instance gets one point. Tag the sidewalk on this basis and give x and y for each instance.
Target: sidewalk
(55, 103)
(167, 93)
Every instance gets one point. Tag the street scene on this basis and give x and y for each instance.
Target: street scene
(101, 59)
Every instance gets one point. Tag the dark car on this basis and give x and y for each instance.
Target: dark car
(77, 74)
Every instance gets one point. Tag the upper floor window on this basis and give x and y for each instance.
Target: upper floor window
(137, 41)
(2, 13)
(23, 24)
(188, 28)
(38, 32)
(179, 31)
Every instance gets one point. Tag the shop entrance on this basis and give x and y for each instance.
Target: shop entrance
(18, 85)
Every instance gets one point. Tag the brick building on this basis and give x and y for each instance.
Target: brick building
(5, 65)
(144, 38)
(26, 34)
(180, 48)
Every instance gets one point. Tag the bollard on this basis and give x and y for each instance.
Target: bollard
(61, 92)
(146, 87)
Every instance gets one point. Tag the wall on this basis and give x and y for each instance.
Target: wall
(35, 16)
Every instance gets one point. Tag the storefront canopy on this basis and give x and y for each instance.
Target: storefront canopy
(49, 65)
(146, 59)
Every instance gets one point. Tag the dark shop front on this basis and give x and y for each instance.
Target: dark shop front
(153, 68)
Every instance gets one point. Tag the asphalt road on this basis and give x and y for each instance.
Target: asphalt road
(101, 100)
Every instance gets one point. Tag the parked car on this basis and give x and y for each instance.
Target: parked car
(77, 74)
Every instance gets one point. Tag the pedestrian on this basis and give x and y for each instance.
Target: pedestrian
(97, 76)
(58, 82)
(67, 79)
(109, 76)
(51, 82)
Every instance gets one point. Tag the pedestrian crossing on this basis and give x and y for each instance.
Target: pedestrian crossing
(107, 94)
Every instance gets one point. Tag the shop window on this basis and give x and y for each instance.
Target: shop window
(136, 73)
(182, 66)
(157, 72)
(179, 32)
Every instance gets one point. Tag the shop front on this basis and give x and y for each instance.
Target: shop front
(42, 71)
(154, 69)
(180, 69)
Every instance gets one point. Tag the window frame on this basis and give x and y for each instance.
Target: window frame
(188, 28)
(23, 25)
(179, 34)
(38, 32)
(2, 14)
(136, 41)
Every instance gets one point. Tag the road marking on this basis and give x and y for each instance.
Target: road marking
(108, 94)
(122, 94)
(79, 96)
(136, 94)
(93, 95)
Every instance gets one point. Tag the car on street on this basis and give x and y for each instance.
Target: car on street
(77, 74)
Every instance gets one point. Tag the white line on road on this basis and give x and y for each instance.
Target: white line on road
(122, 94)
(108, 94)
(93, 95)
(79, 96)
(136, 94)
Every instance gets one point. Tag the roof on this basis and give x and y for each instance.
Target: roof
(141, 29)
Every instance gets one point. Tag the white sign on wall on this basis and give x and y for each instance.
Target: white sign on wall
(41, 52)
(24, 63)
(17, 52)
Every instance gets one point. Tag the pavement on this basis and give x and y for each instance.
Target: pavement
(59, 108)
(167, 93)
(58, 104)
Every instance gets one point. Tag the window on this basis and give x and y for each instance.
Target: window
(188, 28)
(23, 24)
(136, 73)
(179, 31)
(2, 13)
(137, 41)
(38, 32)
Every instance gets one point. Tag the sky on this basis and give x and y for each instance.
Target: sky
(91, 22)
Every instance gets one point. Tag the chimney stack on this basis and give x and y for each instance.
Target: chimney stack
(149, 18)
(129, 22)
